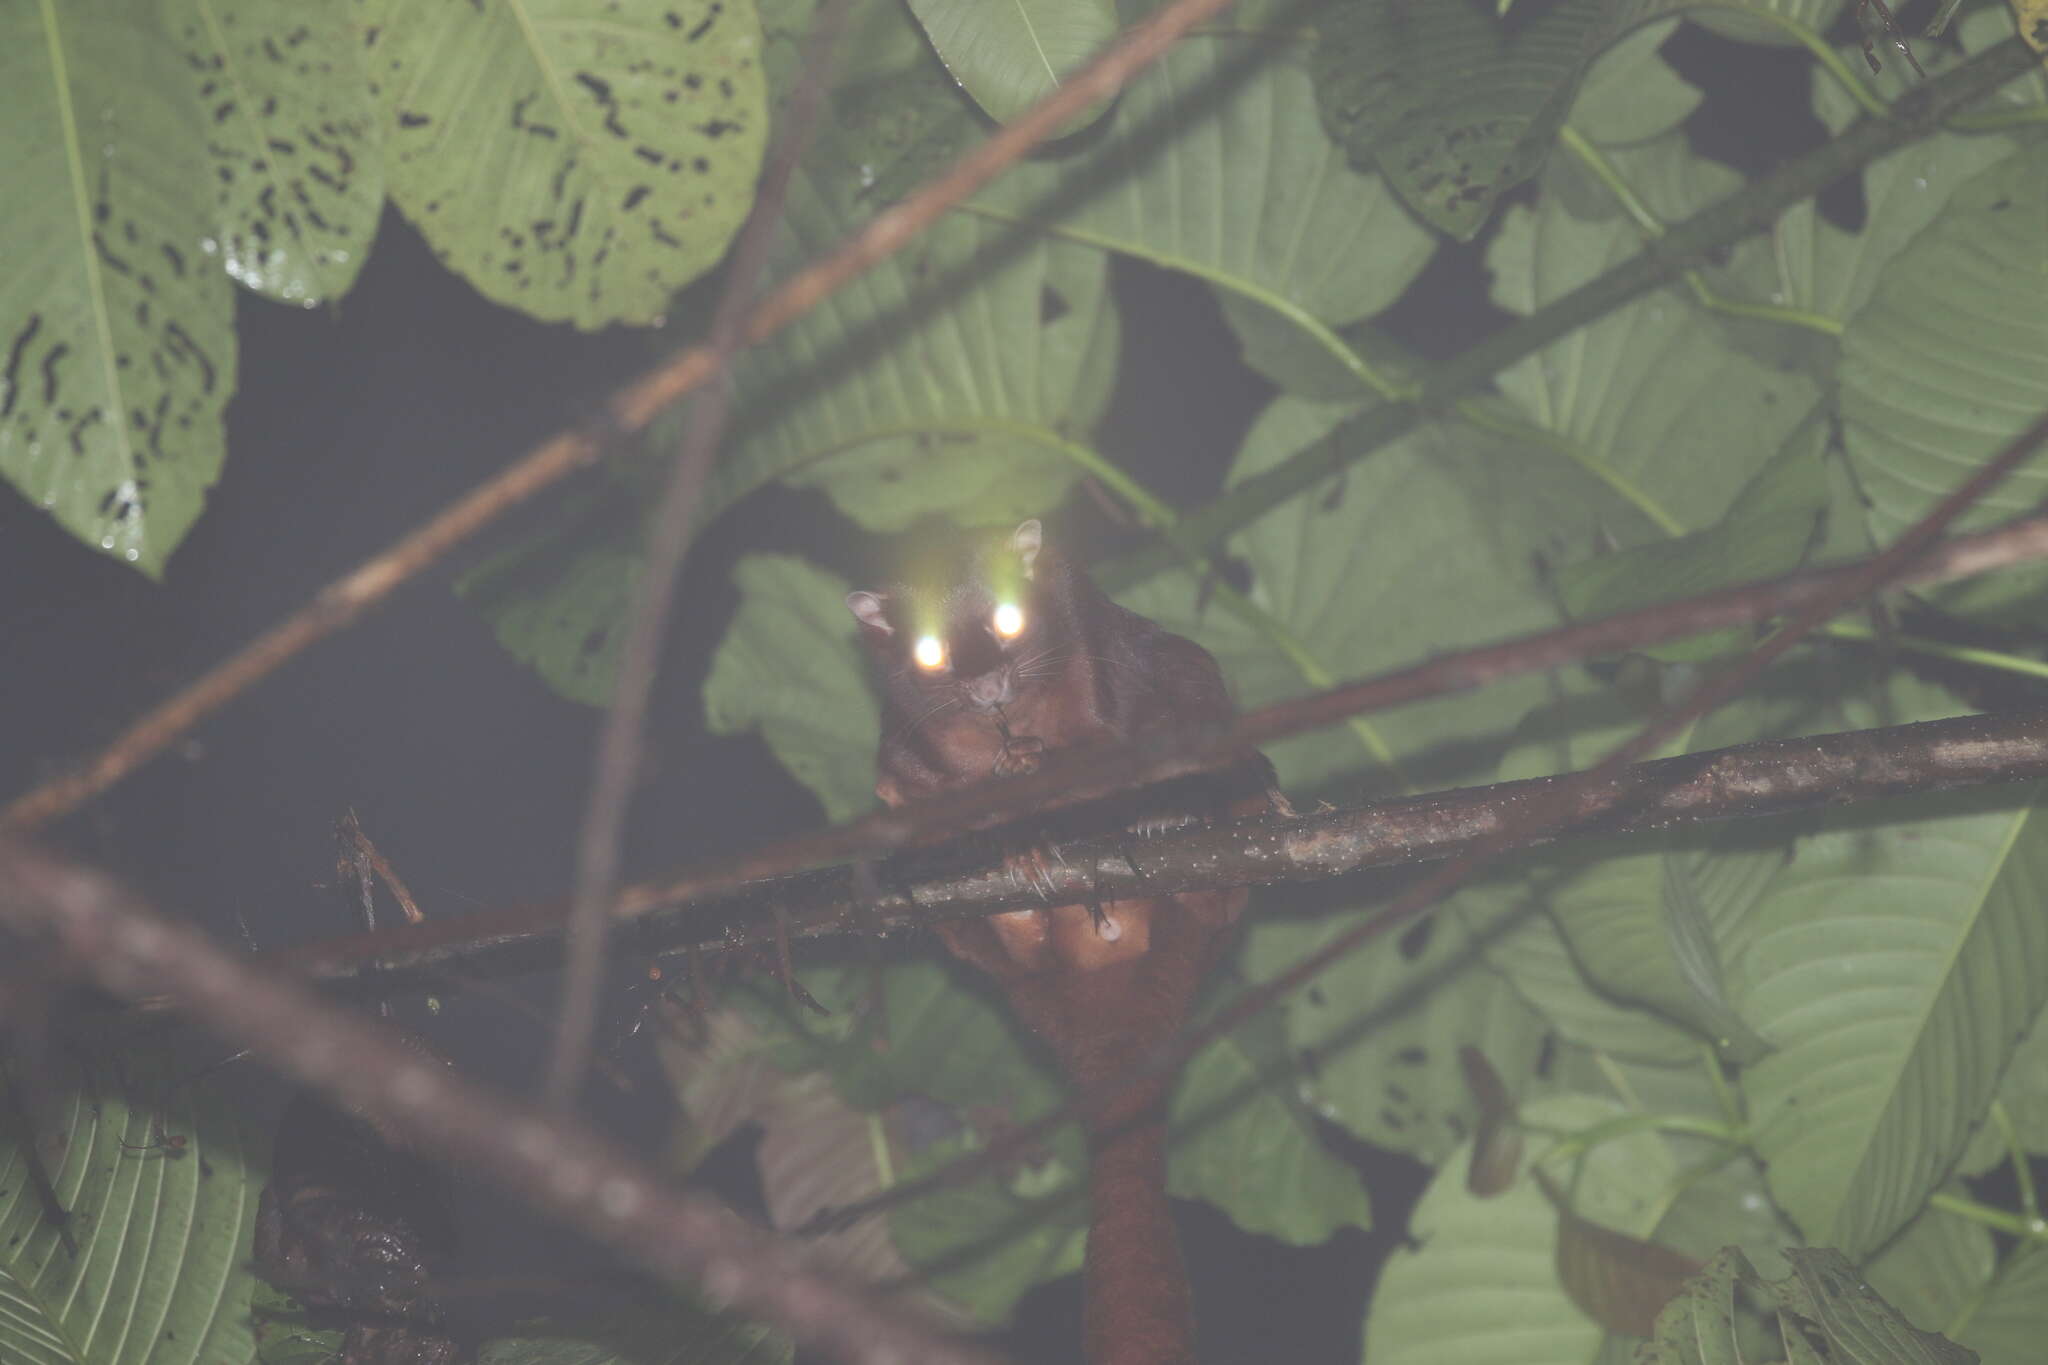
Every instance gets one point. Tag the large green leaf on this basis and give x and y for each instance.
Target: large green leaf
(1769, 526)
(2024, 1093)
(2009, 1326)
(1642, 922)
(1454, 104)
(117, 330)
(1830, 271)
(1221, 171)
(950, 377)
(1651, 399)
(1481, 1286)
(1010, 56)
(1430, 545)
(1935, 1268)
(289, 126)
(1900, 957)
(1384, 1026)
(161, 1271)
(578, 165)
(1631, 94)
(1949, 360)
(1525, 944)
(790, 667)
(1244, 1140)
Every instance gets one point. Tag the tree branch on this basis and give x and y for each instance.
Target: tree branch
(1742, 782)
(1108, 768)
(560, 1166)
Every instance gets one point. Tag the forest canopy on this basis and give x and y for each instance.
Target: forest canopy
(1532, 338)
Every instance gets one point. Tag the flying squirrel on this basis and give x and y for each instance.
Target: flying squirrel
(1005, 653)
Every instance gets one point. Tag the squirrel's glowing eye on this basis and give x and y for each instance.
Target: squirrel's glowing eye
(1009, 620)
(930, 652)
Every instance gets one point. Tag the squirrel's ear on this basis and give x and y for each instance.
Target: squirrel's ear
(1027, 540)
(867, 609)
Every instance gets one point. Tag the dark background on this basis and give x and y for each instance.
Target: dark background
(354, 423)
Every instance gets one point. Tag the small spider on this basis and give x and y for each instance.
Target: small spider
(169, 1144)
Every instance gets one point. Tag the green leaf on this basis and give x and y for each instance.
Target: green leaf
(1898, 960)
(1855, 1325)
(1934, 1269)
(284, 1335)
(2009, 1326)
(1429, 545)
(947, 379)
(1009, 56)
(1776, 23)
(1631, 94)
(1766, 530)
(2024, 1093)
(1481, 1286)
(558, 604)
(984, 1244)
(290, 128)
(580, 167)
(1699, 1326)
(676, 1332)
(947, 1062)
(1987, 26)
(1533, 953)
(1244, 1141)
(1225, 174)
(1384, 1024)
(117, 329)
(1454, 106)
(817, 1152)
(790, 667)
(1650, 399)
(161, 1274)
(1810, 263)
(1949, 361)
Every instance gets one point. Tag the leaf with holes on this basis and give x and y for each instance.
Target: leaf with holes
(117, 344)
(580, 162)
(1382, 1027)
(290, 129)
(1455, 105)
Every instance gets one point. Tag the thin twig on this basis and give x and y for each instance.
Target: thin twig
(628, 411)
(561, 1166)
(599, 840)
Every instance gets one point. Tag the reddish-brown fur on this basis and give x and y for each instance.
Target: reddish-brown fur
(1104, 987)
